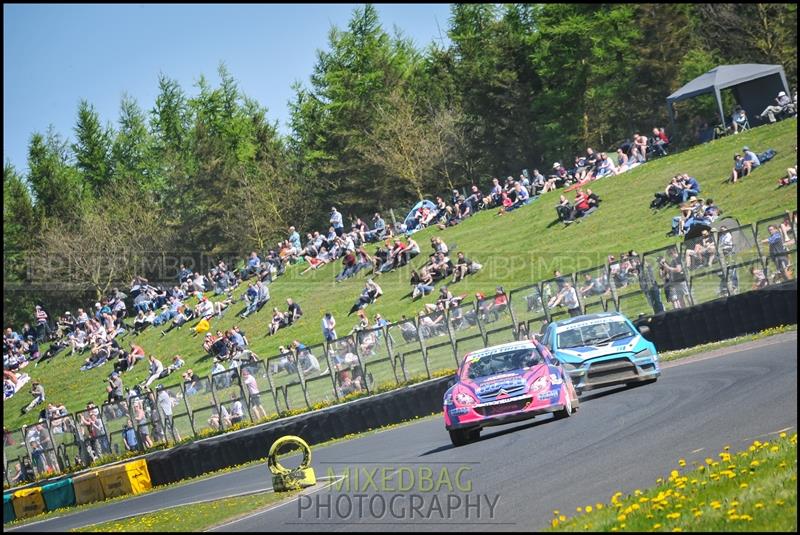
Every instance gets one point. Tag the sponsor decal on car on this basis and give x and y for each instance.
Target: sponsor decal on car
(549, 394)
(501, 401)
(460, 410)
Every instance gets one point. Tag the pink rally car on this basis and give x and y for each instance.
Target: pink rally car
(504, 384)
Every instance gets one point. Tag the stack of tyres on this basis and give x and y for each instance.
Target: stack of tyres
(28, 502)
(59, 494)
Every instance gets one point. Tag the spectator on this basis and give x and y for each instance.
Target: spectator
(42, 327)
(156, 367)
(329, 327)
(166, 403)
(237, 411)
(564, 210)
(690, 187)
(568, 298)
(278, 321)
(249, 381)
(115, 388)
(622, 161)
(140, 419)
(738, 170)
(463, 267)
(778, 252)
(293, 312)
(336, 221)
(738, 119)
(660, 141)
(37, 391)
(129, 436)
(782, 102)
(639, 148)
(759, 278)
(674, 279)
(750, 160)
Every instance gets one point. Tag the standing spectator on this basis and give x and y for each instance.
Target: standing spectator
(336, 221)
(778, 252)
(115, 388)
(165, 403)
(674, 279)
(329, 327)
(255, 400)
(129, 436)
(140, 418)
(42, 328)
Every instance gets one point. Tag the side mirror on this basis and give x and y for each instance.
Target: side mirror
(644, 330)
(451, 381)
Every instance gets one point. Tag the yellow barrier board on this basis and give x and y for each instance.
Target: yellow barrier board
(28, 502)
(87, 488)
(129, 478)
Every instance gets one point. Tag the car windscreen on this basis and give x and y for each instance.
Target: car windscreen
(593, 334)
(494, 363)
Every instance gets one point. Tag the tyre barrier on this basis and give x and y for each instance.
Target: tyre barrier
(284, 479)
(132, 477)
(723, 318)
(238, 447)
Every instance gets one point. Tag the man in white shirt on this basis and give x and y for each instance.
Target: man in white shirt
(782, 101)
(155, 370)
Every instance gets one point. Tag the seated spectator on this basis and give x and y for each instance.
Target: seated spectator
(184, 315)
(293, 312)
(593, 286)
(581, 207)
(564, 210)
(553, 181)
(639, 151)
(782, 104)
(703, 252)
(622, 161)
(568, 298)
(660, 141)
(463, 267)
(759, 278)
(253, 266)
(738, 119)
(690, 187)
(605, 166)
(738, 170)
(494, 198)
(790, 178)
(369, 294)
(751, 161)
(278, 321)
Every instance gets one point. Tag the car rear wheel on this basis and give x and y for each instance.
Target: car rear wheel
(460, 437)
(567, 411)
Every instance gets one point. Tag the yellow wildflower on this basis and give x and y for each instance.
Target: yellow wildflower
(673, 516)
(588, 508)
(681, 462)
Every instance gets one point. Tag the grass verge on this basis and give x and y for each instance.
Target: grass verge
(194, 517)
(667, 356)
(752, 490)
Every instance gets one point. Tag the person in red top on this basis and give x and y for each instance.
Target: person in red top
(581, 203)
(660, 140)
(396, 254)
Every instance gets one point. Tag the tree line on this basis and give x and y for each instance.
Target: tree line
(380, 124)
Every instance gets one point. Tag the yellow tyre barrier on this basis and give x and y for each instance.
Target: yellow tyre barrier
(284, 479)
(128, 478)
(28, 502)
(87, 488)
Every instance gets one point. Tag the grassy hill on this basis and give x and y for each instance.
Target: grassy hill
(516, 249)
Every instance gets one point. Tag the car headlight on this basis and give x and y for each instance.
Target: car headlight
(569, 367)
(646, 352)
(462, 398)
(540, 384)
(448, 399)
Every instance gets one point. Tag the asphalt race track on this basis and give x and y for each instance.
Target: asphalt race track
(516, 475)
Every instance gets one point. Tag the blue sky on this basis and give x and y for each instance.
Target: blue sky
(56, 55)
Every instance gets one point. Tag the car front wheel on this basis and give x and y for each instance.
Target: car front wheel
(460, 437)
(567, 411)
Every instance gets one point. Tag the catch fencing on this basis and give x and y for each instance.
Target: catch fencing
(725, 263)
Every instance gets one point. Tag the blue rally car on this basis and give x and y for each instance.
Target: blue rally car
(603, 349)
